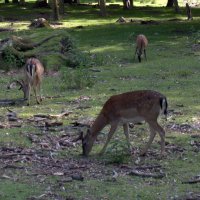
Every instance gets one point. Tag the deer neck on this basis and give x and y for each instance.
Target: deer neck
(100, 122)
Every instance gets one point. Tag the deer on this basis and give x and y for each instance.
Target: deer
(33, 72)
(121, 109)
(141, 44)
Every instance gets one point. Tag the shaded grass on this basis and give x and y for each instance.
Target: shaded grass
(15, 190)
(172, 68)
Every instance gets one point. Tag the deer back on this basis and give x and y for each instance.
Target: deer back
(141, 42)
(143, 104)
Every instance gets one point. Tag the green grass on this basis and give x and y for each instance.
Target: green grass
(172, 68)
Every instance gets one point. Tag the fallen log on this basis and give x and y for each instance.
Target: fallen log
(12, 102)
(23, 44)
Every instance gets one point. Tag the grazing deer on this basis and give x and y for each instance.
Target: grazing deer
(33, 71)
(141, 44)
(136, 106)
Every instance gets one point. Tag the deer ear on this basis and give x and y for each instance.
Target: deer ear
(21, 83)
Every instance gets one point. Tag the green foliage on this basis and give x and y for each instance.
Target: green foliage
(11, 60)
(72, 55)
(171, 68)
(78, 78)
(117, 152)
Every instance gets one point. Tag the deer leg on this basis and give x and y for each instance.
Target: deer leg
(110, 134)
(161, 133)
(151, 138)
(126, 133)
(145, 54)
(39, 91)
(29, 94)
(35, 93)
(156, 127)
(135, 52)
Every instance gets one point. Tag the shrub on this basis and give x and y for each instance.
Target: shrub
(71, 54)
(118, 151)
(11, 59)
(78, 78)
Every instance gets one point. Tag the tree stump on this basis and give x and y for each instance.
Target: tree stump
(39, 23)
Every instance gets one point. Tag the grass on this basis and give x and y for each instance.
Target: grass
(172, 68)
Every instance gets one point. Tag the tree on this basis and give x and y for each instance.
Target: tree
(61, 7)
(189, 12)
(55, 10)
(176, 6)
(102, 5)
(127, 4)
(22, 2)
(170, 3)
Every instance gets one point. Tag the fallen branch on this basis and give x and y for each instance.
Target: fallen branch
(53, 97)
(195, 179)
(145, 174)
(49, 116)
(66, 113)
(148, 167)
(10, 126)
(11, 102)
(54, 123)
(12, 166)
(14, 154)
(23, 44)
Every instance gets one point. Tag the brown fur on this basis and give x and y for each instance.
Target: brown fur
(33, 80)
(136, 106)
(141, 45)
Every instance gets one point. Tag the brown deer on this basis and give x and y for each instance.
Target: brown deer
(33, 72)
(141, 44)
(136, 106)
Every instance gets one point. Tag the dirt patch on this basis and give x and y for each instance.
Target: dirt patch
(183, 128)
(196, 47)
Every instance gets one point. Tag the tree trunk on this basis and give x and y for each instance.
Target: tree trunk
(98, 2)
(176, 6)
(170, 3)
(22, 2)
(127, 4)
(102, 5)
(131, 3)
(6, 1)
(15, 1)
(189, 12)
(61, 7)
(55, 10)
